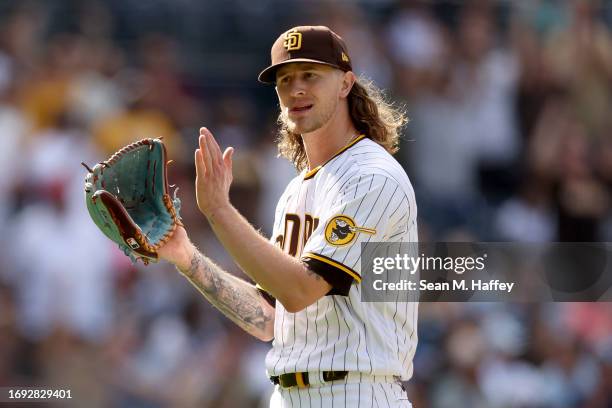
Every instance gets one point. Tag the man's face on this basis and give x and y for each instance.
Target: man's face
(308, 94)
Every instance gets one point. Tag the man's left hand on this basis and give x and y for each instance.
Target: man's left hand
(213, 174)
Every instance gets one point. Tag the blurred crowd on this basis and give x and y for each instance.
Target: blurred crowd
(510, 139)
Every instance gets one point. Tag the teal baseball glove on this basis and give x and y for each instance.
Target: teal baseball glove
(128, 198)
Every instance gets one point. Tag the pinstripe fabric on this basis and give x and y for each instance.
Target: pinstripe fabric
(362, 395)
(342, 333)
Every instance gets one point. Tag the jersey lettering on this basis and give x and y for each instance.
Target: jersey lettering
(293, 230)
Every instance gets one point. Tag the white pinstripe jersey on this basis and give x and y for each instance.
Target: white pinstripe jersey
(360, 195)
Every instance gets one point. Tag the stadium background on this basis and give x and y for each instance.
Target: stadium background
(510, 139)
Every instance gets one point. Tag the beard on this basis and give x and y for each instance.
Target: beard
(315, 121)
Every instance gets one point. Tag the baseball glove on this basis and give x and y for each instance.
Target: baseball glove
(128, 198)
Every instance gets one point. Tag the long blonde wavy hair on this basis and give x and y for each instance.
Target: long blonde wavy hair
(371, 113)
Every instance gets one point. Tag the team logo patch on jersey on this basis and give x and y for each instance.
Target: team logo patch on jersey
(341, 230)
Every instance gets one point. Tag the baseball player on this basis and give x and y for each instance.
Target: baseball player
(329, 347)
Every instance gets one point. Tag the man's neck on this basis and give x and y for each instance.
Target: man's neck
(322, 144)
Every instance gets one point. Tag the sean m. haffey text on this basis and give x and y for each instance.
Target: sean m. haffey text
(458, 265)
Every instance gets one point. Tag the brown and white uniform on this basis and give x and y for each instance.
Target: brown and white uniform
(360, 195)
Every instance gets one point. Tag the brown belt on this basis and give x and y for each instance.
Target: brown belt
(301, 379)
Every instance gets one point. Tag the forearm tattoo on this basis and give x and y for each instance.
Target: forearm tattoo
(236, 299)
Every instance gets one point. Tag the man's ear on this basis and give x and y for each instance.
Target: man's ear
(348, 79)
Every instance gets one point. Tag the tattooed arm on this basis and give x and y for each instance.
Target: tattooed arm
(237, 299)
(285, 277)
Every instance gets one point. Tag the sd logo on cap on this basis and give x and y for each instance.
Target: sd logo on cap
(316, 44)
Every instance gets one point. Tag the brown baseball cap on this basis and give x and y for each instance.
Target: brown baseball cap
(316, 44)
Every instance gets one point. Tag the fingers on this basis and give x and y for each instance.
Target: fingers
(199, 164)
(206, 156)
(213, 147)
(213, 172)
(211, 152)
(211, 138)
(227, 158)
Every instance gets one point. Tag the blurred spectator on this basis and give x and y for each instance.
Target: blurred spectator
(579, 57)
(22, 31)
(44, 95)
(527, 217)
(137, 121)
(417, 44)
(165, 90)
(234, 115)
(369, 59)
(95, 92)
(459, 386)
(68, 283)
(582, 199)
(487, 74)
(14, 127)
